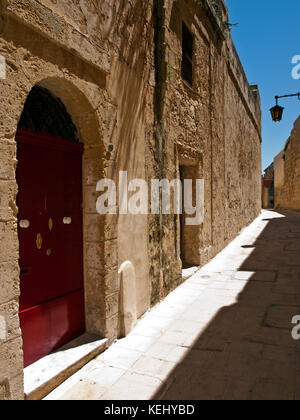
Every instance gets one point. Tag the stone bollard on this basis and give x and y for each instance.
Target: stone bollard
(127, 311)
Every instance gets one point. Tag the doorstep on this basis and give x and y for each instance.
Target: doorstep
(45, 375)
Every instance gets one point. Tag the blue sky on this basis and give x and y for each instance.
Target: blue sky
(267, 38)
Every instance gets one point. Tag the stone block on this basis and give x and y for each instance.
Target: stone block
(8, 161)
(9, 247)
(128, 308)
(9, 321)
(9, 279)
(11, 358)
(8, 192)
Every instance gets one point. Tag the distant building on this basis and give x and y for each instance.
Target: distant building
(268, 187)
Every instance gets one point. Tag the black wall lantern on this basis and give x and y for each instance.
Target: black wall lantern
(277, 111)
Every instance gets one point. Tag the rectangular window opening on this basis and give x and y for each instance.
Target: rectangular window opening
(187, 55)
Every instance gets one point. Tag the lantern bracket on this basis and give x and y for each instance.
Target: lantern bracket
(277, 110)
(287, 96)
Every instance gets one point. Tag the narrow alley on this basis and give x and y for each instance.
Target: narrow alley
(226, 333)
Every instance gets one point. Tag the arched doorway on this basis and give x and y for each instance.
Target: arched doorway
(49, 176)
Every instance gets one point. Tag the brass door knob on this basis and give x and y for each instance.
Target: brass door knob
(39, 241)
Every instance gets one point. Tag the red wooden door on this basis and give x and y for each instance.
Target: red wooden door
(49, 176)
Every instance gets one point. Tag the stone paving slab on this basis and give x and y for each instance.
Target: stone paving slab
(223, 334)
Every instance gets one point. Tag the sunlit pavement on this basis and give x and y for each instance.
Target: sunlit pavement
(226, 333)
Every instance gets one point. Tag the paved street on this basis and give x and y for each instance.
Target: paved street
(224, 334)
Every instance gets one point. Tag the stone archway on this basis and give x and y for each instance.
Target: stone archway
(96, 268)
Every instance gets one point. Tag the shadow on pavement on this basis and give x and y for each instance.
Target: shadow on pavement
(247, 351)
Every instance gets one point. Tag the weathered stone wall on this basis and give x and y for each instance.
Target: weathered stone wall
(216, 124)
(287, 173)
(116, 67)
(279, 169)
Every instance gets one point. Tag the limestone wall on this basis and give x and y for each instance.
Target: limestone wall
(279, 170)
(216, 124)
(287, 173)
